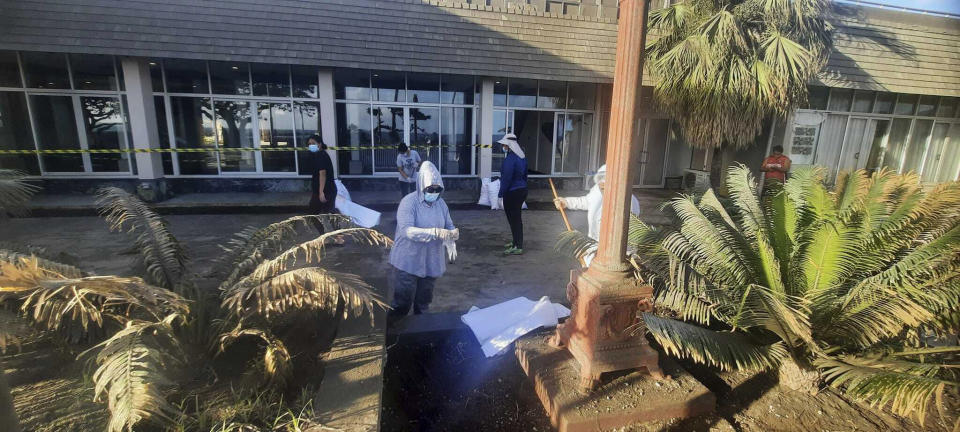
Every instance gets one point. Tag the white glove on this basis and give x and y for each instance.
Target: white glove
(448, 235)
(422, 234)
(451, 250)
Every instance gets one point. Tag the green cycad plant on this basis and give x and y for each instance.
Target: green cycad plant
(853, 282)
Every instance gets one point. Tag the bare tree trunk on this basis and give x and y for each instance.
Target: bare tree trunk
(723, 158)
(8, 415)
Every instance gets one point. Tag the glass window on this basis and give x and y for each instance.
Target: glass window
(388, 130)
(523, 93)
(305, 81)
(423, 88)
(230, 78)
(573, 133)
(9, 70)
(896, 142)
(817, 99)
(104, 125)
(270, 80)
(885, 102)
(456, 140)
(388, 86)
(45, 70)
(553, 94)
(57, 130)
(424, 137)
(950, 158)
(15, 133)
(913, 157)
(906, 104)
(164, 133)
(306, 117)
(947, 108)
(500, 92)
(501, 126)
(93, 72)
(234, 130)
(863, 101)
(353, 130)
(927, 106)
(581, 96)
(276, 132)
(351, 84)
(840, 99)
(186, 76)
(931, 164)
(457, 89)
(534, 130)
(193, 128)
(156, 76)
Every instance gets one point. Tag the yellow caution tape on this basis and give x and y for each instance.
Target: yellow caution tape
(204, 150)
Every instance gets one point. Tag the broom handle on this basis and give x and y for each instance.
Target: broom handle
(562, 211)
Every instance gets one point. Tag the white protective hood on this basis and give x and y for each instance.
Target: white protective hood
(429, 175)
(510, 140)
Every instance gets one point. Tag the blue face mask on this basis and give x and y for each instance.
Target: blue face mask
(431, 197)
(313, 148)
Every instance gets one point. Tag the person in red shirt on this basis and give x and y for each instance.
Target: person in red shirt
(776, 166)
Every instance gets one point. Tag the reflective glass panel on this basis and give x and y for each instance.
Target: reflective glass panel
(230, 78)
(15, 133)
(103, 122)
(57, 130)
(534, 132)
(305, 81)
(572, 132)
(457, 140)
(927, 106)
(164, 133)
(947, 108)
(817, 99)
(906, 104)
(913, 157)
(93, 72)
(353, 84)
(950, 158)
(276, 132)
(553, 94)
(933, 160)
(193, 128)
(424, 135)
(270, 80)
(896, 143)
(45, 70)
(500, 92)
(501, 126)
(388, 86)
(388, 130)
(581, 96)
(840, 99)
(423, 88)
(156, 75)
(306, 116)
(863, 101)
(186, 76)
(884, 103)
(457, 89)
(523, 93)
(234, 130)
(9, 70)
(353, 130)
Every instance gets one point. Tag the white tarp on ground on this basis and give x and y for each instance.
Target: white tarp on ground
(497, 326)
(359, 214)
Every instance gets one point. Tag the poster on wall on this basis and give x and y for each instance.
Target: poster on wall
(806, 131)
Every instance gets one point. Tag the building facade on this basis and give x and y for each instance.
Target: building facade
(234, 88)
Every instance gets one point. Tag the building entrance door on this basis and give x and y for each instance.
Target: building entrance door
(653, 153)
(864, 144)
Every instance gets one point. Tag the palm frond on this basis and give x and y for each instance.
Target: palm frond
(726, 350)
(134, 365)
(50, 268)
(575, 244)
(15, 193)
(276, 358)
(158, 250)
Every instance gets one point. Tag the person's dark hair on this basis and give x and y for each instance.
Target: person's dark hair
(318, 140)
(401, 148)
(777, 149)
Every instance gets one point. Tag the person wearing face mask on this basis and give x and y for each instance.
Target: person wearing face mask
(323, 190)
(424, 241)
(408, 161)
(513, 190)
(592, 202)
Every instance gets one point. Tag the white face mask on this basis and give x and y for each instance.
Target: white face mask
(431, 197)
(313, 148)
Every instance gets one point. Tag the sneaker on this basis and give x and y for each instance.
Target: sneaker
(513, 251)
(508, 245)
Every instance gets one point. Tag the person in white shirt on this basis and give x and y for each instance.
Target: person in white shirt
(592, 202)
(408, 163)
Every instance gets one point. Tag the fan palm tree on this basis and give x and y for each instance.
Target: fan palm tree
(723, 67)
(852, 282)
(15, 193)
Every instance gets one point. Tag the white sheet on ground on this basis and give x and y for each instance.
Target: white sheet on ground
(497, 326)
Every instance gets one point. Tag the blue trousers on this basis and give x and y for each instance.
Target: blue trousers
(410, 290)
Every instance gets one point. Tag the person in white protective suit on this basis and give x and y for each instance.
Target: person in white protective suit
(424, 230)
(592, 202)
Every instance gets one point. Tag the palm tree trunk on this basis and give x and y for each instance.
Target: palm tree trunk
(723, 158)
(8, 414)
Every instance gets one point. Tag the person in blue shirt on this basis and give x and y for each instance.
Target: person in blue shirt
(513, 189)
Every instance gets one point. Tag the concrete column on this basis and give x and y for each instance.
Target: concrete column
(328, 119)
(143, 116)
(486, 127)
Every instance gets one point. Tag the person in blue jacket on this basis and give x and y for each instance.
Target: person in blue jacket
(513, 189)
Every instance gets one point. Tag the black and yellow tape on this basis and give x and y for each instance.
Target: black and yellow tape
(205, 150)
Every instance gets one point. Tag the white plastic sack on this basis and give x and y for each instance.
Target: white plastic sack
(484, 192)
(497, 326)
(342, 190)
(496, 203)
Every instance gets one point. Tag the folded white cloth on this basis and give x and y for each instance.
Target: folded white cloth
(497, 326)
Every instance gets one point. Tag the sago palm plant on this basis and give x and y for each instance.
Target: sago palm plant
(854, 282)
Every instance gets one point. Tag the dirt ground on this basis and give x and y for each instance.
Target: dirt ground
(481, 276)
